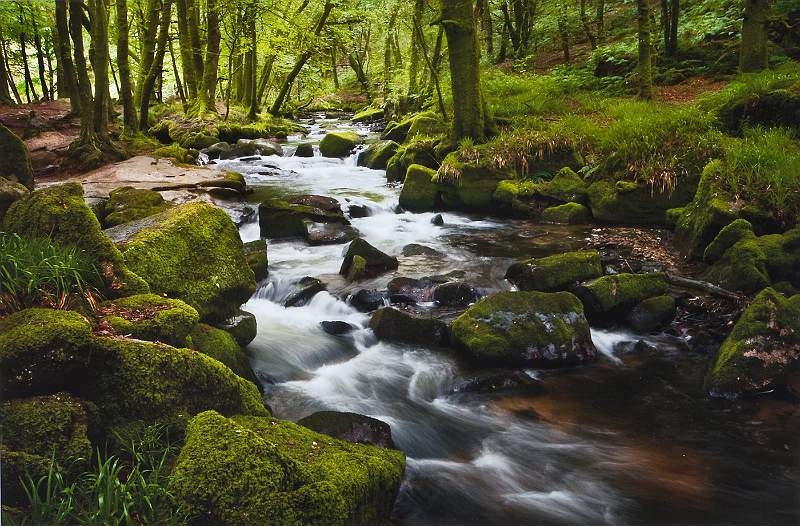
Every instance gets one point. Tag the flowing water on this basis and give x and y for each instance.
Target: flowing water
(589, 450)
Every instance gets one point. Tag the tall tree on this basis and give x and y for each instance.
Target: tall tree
(5, 94)
(670, 16)
(155, 63)
(40, 54)
(753, 51)
(645, 66)
(471, 118)
(123, 63)
(67, 79)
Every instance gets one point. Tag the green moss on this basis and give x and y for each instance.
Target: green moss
(621, 292)
(175, 152)
(243, 327)
(631, 203)
(59, 212)
(468, 186)
(672, 217)
(264, 471)
(420, 150)
(783, 256)
(194, 253)
(221, 346)
(567, 214)
(358, 269)
(127, 204)
(16, 166)
(15, 466)
(425, 124)
(151, 317)
(338, 144)
(9, 193)
(566, 186)
(419, 191)
(368, 115)
(514, 328)
(375, 261)
(43, 350)
(652, 313)
(257, 259)
(377, 155)
(742, 268)
(763, 346)
(730, 235)
(150, 381)
(557, 272)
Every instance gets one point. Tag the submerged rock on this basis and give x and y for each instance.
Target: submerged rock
(415, 249)
(412, 290)
(375, 261)
(492, 381)
(517, 328)
(329, 234)
(557, 272)
(305, 291)
(337, 328)
(395, 325)
(368, 300)
(350, 427)
(338, 144)
(437, 220)
(305, 149)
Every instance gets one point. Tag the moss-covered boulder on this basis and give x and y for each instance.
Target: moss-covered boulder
(779, 106)
(16, 165)
(633, 203)
(192, 252)
(469, 186)
(128, 204)
(221, 346)
(375, 261)
(783, 256)
(609, 296)
(255, 252)
(377, 155)
(149, 317)
(254, 471)
(368, 115)
(762, 349)
(525, 328)
(338, 144)
(243, 326)
(566, 186)
(305, 149)
(743, 268)
(567, 214)
(557, 272)
(37, 431)
(139, 380)
(736, 231)
(395, 325)
(281, 218)
(419, 192)
(60, 213)
(350, 427)
(421, 151)
(10, 192)
(43, 351)
(652, 313)
(177, 153)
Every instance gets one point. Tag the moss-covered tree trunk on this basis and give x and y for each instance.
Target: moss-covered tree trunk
(599, 21)
(5, 93)
(586, 26)
(185, 45)
(207, 95)
(471, 117)
(563, 31)
(251, 83)
(413, 63)
(67, 80)
(37, 42)
(645, 66)
(156, 64)
(123, 63)
(753, 51)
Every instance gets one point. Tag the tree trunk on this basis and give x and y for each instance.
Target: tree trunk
(123, 63)
(252, 64)
(194, 37)
(357, 67)
(99, 33)
(413, 64)
(5, 94)
(645, 66)
(148, 47)
(207, 95)
(9, 75)
(185, 44)
(563, 30)
(471, 117)
(266, 72)
(586, 29)
(753, 51)
(178, 83)
(37, 42)
(434, 74)
(67, 80)
(156, 64)
(599, 21)
(670, 14)
(484, 14)
(30, 89)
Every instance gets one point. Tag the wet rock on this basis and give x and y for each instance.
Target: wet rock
(249, 159)
(415, 249)
(242, 148)
(280, 218)
(525, 328)
(375, 261)
(329, 234)
(242, 326)
(395, 325)
(368, 300)
(377, 155)
(419, 192)
(455, 294)
(555, 273)
(337, 328)
(611, 296)
(652, 313)
(350, 427)
(358, 211)
(567, 214)
(411, 290)
(492, 381)
(306, 289)
(338, 144)
(267, 148)
(368, 115)
(637, 347)
(257, 259)
(437, 220)
(305, 149)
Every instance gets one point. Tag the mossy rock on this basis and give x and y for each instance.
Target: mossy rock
(468, 187)
(555, 273)
(282, 218)
(257, 258)
(652, 313)
(305, 149)
(609, 296)
(774, 108)
(357, 270)
(60, 213)
(395, 325)
(43, 351)
(150, 317)
(16, 165)
(783, 256)
(421, 151)
(736, 231)
(10, 192)
(762, 349)
(338, 144)
(139, 380)
(221, 346)
(396, 131)
(425, 124)
(256, 471)
(176, 152)
(375, 262)
(525, 328)
(566, 186)
(377, 155)
(350, 427)
(194, 253)
(742, 268)
(243, 326)
(419, 192)
(632, 203)
(567, 214)
(16, 466)
(368, 115)
(128, 204)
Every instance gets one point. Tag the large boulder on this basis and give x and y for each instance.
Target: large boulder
(377, 155)
(338, 144)
(350, 427)
(567, 214)
(60, 213)
(194, 253)
(611, 296)
(419, 191)
(221, 346)
(455, 294)
(566, 186)
(469, 185)
(279, 218)
(633, 203)
(368, 115)
(557, 272)
(16, 165)
(375, 262)
(762, 349)
(10, 192)
(738, 230)
(255, 252)
(421, 151)
(127, 204)
(253, 471)
(525, 328)
(149, 317)
(652, 313)
(395, 325)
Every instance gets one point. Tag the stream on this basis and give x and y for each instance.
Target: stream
(627, 440)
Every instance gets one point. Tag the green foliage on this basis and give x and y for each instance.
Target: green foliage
(41, 272)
